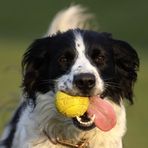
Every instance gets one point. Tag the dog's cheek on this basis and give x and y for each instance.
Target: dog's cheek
(99, 88)
(64, 83)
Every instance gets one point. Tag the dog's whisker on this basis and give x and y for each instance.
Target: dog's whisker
(112, 84)
(107, 79)
(48, 81)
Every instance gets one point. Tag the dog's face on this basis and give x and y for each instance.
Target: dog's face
(82, 77)
(82, 63)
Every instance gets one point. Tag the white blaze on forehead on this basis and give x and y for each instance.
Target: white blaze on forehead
(82, 64)
(79, 43)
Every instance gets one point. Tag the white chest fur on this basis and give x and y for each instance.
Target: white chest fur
(44, 117)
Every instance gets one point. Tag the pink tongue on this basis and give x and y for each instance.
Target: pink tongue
(105, 118)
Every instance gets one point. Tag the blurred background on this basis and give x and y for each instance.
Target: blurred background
(23, 21)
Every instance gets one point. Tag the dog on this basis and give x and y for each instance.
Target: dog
(80, 62)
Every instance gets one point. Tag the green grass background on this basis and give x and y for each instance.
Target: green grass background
(23, 21)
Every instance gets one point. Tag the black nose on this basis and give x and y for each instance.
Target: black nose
(84, 81)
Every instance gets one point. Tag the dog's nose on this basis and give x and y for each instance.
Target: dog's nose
(84, 81)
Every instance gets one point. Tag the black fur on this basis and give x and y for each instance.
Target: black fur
(126, 66)
(118, 64)
(42, 62)
(51, 57)
(7, 142)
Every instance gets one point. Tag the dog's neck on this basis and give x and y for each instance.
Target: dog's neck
(84, 143)
(68, 134)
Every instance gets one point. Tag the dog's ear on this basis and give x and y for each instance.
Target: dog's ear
(126, 66)
(33, 64)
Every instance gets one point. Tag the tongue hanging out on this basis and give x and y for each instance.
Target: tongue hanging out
(105, 117)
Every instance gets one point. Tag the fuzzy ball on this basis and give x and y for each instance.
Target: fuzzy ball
(71, 106)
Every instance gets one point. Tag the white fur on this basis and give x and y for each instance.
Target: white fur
(6, 132)
(71, 18)
(30, 128)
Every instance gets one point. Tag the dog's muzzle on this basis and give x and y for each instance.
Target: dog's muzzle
(84, 82)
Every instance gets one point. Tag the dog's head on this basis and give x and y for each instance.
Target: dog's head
(83, 63)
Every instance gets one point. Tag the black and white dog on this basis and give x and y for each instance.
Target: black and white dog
(79, 62)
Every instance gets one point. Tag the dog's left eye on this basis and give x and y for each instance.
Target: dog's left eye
(63, 60)
(99, 59)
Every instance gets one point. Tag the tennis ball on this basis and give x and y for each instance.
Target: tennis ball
(71, 106)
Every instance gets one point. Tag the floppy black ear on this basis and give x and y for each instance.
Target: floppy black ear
(33, 65)
(127, 64)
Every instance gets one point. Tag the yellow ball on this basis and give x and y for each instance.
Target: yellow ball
(71, 106)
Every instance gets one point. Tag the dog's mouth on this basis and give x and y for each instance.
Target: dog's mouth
(100, 114)
(84, 122)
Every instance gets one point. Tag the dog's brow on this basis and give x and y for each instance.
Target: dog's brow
(79, 43)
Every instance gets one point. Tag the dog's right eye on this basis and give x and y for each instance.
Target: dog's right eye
(63, 60)
(99, 59)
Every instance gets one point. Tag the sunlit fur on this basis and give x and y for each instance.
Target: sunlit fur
(50, 64)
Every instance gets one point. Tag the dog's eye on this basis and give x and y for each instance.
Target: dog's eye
(63, 60)
(99, 59)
